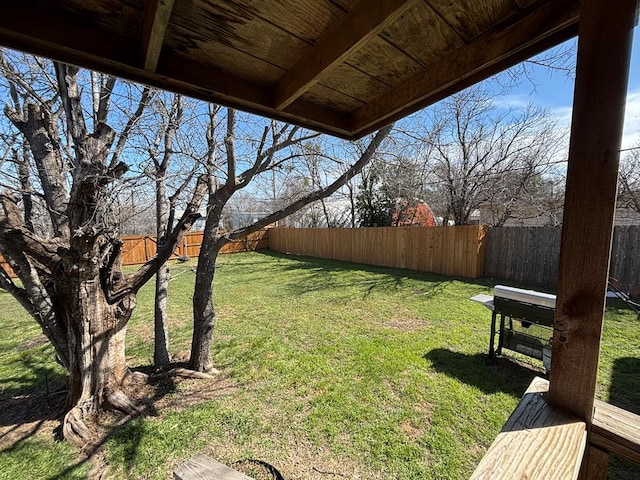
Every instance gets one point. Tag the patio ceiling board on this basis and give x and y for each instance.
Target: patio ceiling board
(421, 25)
(470, 18)
(384, 61)
(473, 61)
(218, 56)
(331, 99)
(333, 47)
(290, 59)
(239, 28)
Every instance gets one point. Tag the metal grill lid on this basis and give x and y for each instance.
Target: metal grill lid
(526, 296)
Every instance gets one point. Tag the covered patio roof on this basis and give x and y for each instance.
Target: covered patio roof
(345, 67)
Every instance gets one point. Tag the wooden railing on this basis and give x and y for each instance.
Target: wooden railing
(616, 431)
(540, 442)
(537, 442)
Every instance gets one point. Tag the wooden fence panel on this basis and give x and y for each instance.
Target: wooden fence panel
(523, 254)
(457, 251)
(530, 255)
(6, 267)
(625, 259)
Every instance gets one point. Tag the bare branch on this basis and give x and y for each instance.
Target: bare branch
(147, 95)
(316, 195)
(132, 283)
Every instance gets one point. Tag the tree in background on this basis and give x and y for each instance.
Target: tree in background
(391, 193)
(171, 166)
(629, 180)
(477, 153)
(69, 156)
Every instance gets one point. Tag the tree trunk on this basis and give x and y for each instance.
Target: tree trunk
(96, 330)
(204, 317)
(161, 355)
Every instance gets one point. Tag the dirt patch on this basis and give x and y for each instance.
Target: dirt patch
(406, 324)
(410, 430)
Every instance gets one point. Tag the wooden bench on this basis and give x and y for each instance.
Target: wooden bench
(202, 467)
(537, 442)
(616, 431)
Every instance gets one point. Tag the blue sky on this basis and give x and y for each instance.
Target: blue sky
(555, 91)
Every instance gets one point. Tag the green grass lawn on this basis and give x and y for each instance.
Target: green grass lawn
(329, 370)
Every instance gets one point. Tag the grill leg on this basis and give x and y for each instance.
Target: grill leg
(501, 335)
(492, 357)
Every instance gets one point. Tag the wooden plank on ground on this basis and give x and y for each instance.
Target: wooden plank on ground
(538, 442)
(202, 467)
(616, 431)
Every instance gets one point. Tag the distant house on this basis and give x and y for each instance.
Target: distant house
(486, 215)
(420, 215)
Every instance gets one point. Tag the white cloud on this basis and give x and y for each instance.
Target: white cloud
(515, 102)
(631, 132)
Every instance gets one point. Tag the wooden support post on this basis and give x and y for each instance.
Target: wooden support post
(604, 47)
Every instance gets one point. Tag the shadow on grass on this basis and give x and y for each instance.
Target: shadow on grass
(37, 396)
(625, 393)
(319, 276)
(28, 407)
(505, 376)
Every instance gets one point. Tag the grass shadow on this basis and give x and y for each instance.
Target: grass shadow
(625, 393)
(319, 275)
(33, 403)
(506, 375)
(625, 384)
(38, 394)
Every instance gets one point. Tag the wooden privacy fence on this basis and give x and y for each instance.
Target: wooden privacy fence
(530, 255)
(522, 254)
(137, 249)
(455, 251)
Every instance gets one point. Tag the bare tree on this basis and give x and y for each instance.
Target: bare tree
(629, 180)
(71, 280)
(480, 154)
(271, 149)
(167, 124)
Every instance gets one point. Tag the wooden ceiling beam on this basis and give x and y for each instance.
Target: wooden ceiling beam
(157, 14)
(365, 21)
(533, 32)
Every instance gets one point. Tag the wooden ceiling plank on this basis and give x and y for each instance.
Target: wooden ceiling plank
(364, 22)
(228, 23)
(549, 25)
(422, 34)
(157, 14)
(216, 86)
(471, 18)
(387, 65)
(56, 35)
(223, 57)
(329, 98)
